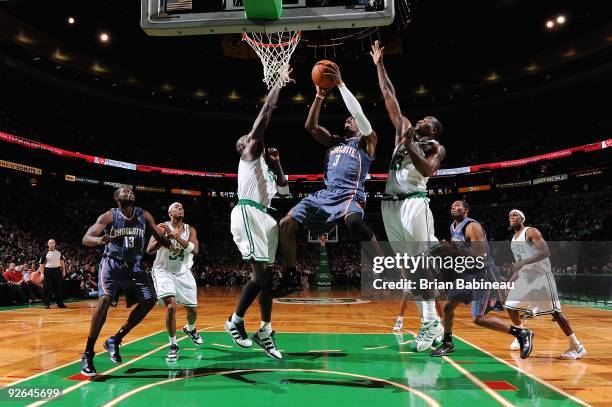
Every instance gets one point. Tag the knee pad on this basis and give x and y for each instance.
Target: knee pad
(358, 228)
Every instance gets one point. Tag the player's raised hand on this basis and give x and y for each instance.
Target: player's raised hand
(333, 72)
(287, 75)
(272, 154)
(377, 52)
(164, 228)
(322, 92)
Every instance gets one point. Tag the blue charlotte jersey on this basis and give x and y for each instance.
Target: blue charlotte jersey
(457, 234)
(129, 233)
(347, 167)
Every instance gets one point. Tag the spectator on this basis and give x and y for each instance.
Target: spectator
(15, 281)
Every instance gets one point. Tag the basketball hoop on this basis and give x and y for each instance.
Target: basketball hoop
(274, 51)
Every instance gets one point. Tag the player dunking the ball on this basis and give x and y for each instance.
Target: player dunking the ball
(405, 208)
(255, 231)
(172, 276)
(124, 242)
(349, 157)
(535, 290)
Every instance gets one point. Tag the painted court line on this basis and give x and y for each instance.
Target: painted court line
(430, 401)
(76, 361)
(120, 366)
(531, 376)
(223, 346)
(479, 383)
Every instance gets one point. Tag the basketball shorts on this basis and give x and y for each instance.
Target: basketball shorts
(114, 275)
(181, 286)
(320, 210)
(535, 293)
(409, 225)
(255, 233)
(478, 298)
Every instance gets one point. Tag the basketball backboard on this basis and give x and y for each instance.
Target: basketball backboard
(198, 17)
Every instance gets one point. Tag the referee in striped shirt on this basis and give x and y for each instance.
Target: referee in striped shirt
(54, 269)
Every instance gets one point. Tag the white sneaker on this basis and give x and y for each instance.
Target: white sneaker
(399, 324)
(574, 353)
(238, 333)
(515, 345)
(268, 343)
(428, 334)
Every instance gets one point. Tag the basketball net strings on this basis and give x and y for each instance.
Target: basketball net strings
(274, 51)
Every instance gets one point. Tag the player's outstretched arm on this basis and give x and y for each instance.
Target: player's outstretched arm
(400, 122)
(273, 157)
(354, 107)
(255, 138)
(426, 166)
(320, 133)
(351, 102)
(92, 237)
(153, 245)
(163, 240)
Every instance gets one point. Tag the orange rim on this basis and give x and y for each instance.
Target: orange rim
(253, 42)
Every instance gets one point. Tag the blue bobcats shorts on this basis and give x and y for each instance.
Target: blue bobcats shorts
(320, 210)
(136, 283)
(478, 298)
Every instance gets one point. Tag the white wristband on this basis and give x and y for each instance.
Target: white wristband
(189, 247)
(282, 190)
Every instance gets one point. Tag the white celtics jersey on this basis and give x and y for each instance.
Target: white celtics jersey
(522, 249)
(403, 177)
(167, 261)
(256, 181)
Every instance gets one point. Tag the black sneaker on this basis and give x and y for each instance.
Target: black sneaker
(444, 349)
(62, 306)
(268, 343)
(525, 339)
(113, 350)
(47, 306)
(173, 354)
(195, 337)
(238, 333)
(87, 366)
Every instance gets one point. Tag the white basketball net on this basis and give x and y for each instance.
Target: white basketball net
(274, 51)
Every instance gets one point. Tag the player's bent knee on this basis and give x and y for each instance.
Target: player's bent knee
(150, 303)
(105, 301)
(288, 224)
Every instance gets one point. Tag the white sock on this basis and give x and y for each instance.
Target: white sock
(574, 341)
(419, 305)
(190, 327)
(429, 311)
(172, 340)
(236, 319)
(400, 318)
(265, 326)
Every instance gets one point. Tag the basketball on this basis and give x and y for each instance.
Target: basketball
(318, 76)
